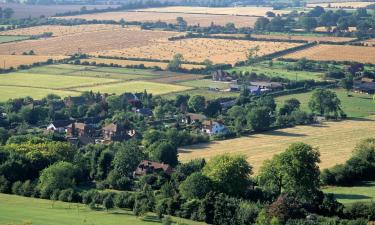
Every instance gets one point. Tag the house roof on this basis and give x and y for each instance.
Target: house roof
(80, 126)
(145, 111)
(196, 116)
(113, 127)
(267, 84)
(61, 123)
(367, 86)
(157, 166)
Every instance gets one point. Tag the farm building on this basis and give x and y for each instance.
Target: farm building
(213, 127)
(191, 118)
(364, 87)
(221, 75)
(59, 125)
(147, 167)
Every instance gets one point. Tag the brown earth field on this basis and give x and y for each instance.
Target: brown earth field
(337, 53)
(335, 141)
(87, 42)
(25, 11)
(192, 19)
(7, 61)
(121, 62)
(199, 49)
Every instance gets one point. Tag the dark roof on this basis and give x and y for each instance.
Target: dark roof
(156, 166)
(145, 111)
(196, 116)
(365, 86)
(61, 123)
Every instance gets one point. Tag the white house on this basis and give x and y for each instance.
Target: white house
(59, 126)
(214, 127)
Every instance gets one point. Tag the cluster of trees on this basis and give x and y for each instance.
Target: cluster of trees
(6, 13)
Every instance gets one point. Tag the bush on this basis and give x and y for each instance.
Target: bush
(124, 200)
(66, 195)
(16, 188)
(28, 188)
(4, 185)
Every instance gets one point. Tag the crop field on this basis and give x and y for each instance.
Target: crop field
(239, 11)
(205, 83)
(65, 80)
(7, 61)
(136, 86)
(303, 37)
(22, 210)
(28, 10)
(59, 30)
(86, 42)
(362, 192)
(335, 141)
(200, 49)
(357, 106)
(10, 38)
(178, 78)
(336, 53)
(341, 5)
(204, 91)
(203, 20)
(120, 62)
(370, 42)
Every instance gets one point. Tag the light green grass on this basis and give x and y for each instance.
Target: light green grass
(7, 92)
(21, 210)
(364, 192)
(208, 94)
(205, 83)
(136, 86)
(49, 81)
(9, 38)
(360, 105)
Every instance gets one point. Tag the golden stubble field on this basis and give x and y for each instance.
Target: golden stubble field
(335, 141)
(7, 61)
(192, 19)
(304, 38)
(199, 49)
(85, 42)
(336, 53)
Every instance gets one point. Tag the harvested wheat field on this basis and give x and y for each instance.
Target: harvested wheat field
(303, 38)
(239, 11)
(87, 42)
(370, 42)
(59, 30)
(192, 19)
(349, 5)
(335, 141)
(121, 62)
(336, 53)
(200, 49)
(7, 61)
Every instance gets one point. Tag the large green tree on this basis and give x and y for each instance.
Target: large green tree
(196, 186)
(164, 152)
(325, 102)
(197, 103)
(127, 157)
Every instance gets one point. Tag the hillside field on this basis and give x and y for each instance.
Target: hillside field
(335, 141)
(10, 38)
(363, 192)
(7, 61)
(22, 210)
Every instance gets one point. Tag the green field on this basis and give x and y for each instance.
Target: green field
(359, 105)
(67, 79)
(9, 38)
(364, 192)
(205, 83)
(21, 210)
(208, 94)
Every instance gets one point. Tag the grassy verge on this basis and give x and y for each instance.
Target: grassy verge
(363, 192)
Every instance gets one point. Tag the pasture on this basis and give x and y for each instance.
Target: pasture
(10, 38)
(203, 20)
(7, 61)
(22, 210)
(200, 49)
(335, 141)
(362, 192)
(336, 53)
(357, 106)
(120, 62)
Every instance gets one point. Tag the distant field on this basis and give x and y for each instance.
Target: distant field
(200, 49)
(86, 42)
(335, 141)
(136, 86)
(360, 105)
(203, 20)
(9, 38)
(162, 65)
(7, 61)
(205, 83)
(27, 10)
(10, 92)
(204, 91)
(21, 210)
(59, 30)
(370, 42)
(302, 37)
(341, 4)
(363, 192)
(239, 11)
(337, 53)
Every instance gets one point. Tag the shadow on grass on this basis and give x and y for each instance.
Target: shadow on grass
(351, 196)
(284, 134)
(150, 218)
(360, 119)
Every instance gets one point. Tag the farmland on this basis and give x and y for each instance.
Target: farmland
(336, 53)
(200, 49)
(203, 20)
(362, 192)
(9, 38)
(341, 4)
(86, 42)
(7, 61)
(359, 105)
(21, 210)
(315, 38)
(162, 65)
(341, 136)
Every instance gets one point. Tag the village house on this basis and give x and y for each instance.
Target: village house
(192, 118)
(213, 127)
(221, 75)
(116, 132)
(77, 129)
(365, 87)
(252, 89)
(59, 126)
(146, 112)
(147, 167)
(267, 86)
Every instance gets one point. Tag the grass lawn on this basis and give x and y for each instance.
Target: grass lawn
(360, 105)
(363, 192)
(9, 38)
(21, 210)
(335, 141)
(136, 86)
(8, 92)
(205, 83)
